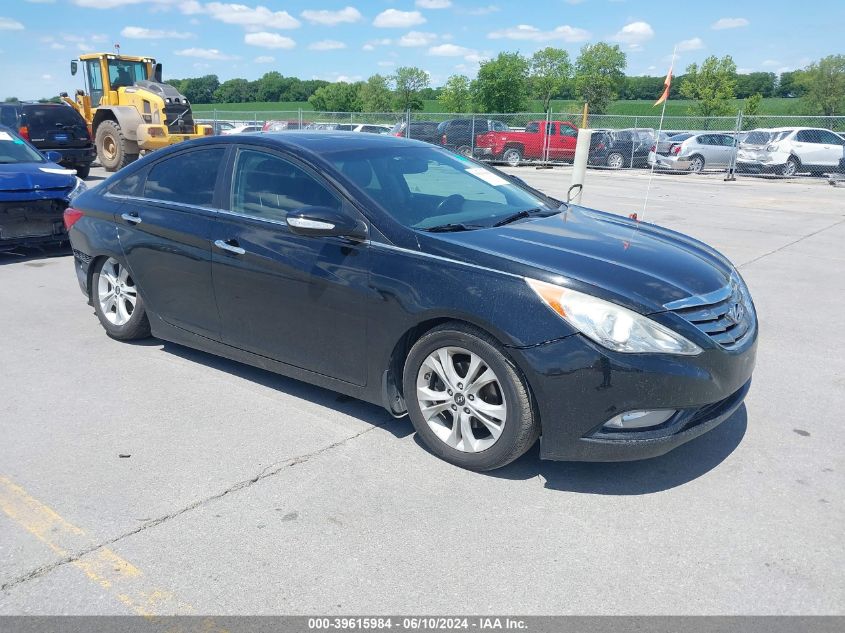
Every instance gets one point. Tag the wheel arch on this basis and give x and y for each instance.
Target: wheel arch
(392, 390)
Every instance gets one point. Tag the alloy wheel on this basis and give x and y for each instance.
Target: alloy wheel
(696, 165)
(461, 399)
(512, 157)
(116, 292)
(615, 161)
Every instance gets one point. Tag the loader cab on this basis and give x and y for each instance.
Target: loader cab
(104, 74)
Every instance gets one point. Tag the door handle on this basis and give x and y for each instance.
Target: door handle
(132, 218)
(227, 246)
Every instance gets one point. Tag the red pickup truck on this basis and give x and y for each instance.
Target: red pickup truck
(554, 139)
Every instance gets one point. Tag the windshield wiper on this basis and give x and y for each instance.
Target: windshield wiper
(452, 227)
(525, 213)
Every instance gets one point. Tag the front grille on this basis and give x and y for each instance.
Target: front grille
(726, 316)
(33, 218)
(179, 118)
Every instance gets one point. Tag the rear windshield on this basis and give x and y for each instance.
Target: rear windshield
(758, 138)
(40, 117)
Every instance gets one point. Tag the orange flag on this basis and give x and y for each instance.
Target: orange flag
(667, 83)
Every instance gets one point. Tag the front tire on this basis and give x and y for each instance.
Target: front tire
(790, 169)
(114, 150)
(467, 400)
(117, 302)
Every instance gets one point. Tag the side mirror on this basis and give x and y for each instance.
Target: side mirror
(73, 67)
(52, 156)
(157, 73)
(325, 222)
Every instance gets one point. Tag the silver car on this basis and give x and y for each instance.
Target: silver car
(696, 152)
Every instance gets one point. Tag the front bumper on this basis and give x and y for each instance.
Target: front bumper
(32, 222)
(153, 137)
(579, 386)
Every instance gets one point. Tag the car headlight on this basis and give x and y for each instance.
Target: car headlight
(79, 187)
(611, 325)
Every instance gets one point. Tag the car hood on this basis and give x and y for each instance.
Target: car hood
(24, 177)
(640, 265)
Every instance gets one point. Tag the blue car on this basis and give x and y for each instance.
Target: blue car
(34, 192)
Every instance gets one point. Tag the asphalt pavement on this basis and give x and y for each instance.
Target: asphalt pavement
(150, 478)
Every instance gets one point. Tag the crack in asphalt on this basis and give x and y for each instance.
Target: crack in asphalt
(793, 243)
(268, 471)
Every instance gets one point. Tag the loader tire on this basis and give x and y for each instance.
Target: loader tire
(114, 151)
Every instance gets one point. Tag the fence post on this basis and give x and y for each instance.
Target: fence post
(300, 118)
(731, 175)
(634, 139)
(408, 126)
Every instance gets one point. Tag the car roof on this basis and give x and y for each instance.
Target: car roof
(315, 141)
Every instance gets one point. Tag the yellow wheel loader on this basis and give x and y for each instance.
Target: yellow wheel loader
(129, 109)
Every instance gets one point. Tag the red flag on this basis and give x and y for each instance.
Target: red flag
(667, 83)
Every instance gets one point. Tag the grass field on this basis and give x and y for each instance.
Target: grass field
(771, 106)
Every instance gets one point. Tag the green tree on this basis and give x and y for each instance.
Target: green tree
(599, 74)
(198, 89)
(502, 84)
(11, 100)
(790, 85)
(550, 70)
(824, 82)
(375, 95)
(234, 91)
(270, 86)
(712, 86)
(456, 95)
(336, 97)
(750, 110)
(752, 83)
(409, 81)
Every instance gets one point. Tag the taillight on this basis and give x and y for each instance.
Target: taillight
(71, 216)
(24, 132)
(653, 148)
(676, 149)
(443, 140)
(399, 134)
(600, 146)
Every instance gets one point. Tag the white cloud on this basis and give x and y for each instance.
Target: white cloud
(204, 53)
(386, 64)
(258, 17)
(490, 8)
(264, 59)
(729, 23)
(395, 19)
(634, 34)
(46, 77)
(417, 38)
(332, 18)
(269, 40)
(694, 44)
(326, 45)
(434, 4)
(449, 50)
(8, 24)
(533, 34)
(371, 45)
(140, 33)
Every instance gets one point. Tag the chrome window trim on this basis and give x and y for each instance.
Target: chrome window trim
(192, 207)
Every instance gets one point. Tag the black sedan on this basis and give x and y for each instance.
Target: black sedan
(405, 275)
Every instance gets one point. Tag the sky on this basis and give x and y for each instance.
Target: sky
(353, 39)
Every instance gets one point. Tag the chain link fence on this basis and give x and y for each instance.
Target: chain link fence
(758, 145)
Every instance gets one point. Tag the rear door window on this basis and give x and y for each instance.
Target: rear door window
(187, 178)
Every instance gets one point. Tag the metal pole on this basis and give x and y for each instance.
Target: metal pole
(408, 127)
(300, 118)
(731, 175)
(634, 139)
(584, 115)
(579, 165)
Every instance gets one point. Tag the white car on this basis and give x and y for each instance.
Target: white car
(788, 151)
(241, 129)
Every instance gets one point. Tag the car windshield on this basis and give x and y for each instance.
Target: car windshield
(14, 150)
(423, 188)
(680, 137)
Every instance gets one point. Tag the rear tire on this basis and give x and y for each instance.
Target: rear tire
(615, 160)
(83, 172)
(512, 156)
(117, 302)
(465, 150)
(114, 150)
(696, 163)
(479, 413)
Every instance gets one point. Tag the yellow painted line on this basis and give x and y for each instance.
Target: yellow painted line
(102, 566)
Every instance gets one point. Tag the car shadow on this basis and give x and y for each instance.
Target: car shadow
(676, 468)
(358, 409)
(34, 255)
